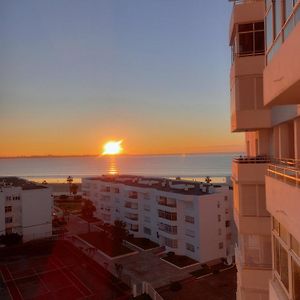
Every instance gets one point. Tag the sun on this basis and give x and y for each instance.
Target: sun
(112, 148)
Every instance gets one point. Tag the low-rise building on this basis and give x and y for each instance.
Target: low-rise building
(187, 217)
(25, 208)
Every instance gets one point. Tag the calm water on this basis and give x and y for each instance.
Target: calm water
(57, 169)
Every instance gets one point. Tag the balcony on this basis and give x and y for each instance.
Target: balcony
(252, 224)
(251, 277)
(283, 194)
(282, 73)
(246, 89)
(132, 217)
(129, 205)
(249, 169)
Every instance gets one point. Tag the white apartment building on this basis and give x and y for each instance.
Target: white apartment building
(25, 208)
(184, 216)
(265, 98)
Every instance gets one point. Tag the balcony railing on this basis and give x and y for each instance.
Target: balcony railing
(260, 159)
(286, 170)
(237, 2)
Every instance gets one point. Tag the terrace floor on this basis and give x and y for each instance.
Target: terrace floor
(214, 287)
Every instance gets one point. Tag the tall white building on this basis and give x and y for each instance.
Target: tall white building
(25, 208)
(184, 216)
(265, 98)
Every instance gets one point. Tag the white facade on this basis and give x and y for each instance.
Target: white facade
(179, 215)
(25, 208)
(265, 98)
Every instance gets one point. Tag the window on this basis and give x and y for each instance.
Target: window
(221, 245)
(218, 204)
(227, 223)
(117, 190)
(167, 201)
(281, 263)
(190, 247)
(133, 195)
(8, 220)
(189, 219)
(147, 219)
(283, 233)
(296, 280)
(170, 243)
(219, 218)
(251, 39)
(168, 228)
(147, 230)
(167, 215)
(295, 246)
(133, 227)
(8, 209)
(269, 29)
(275, 225)
(288, 8)
(219, 231)
(278, 17)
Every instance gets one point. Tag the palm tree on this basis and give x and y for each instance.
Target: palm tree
(208, 181)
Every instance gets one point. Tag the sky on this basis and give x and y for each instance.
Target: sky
(153, 73)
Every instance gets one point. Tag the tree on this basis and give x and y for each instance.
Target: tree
(88, 209)
(208, 183)
(11, 239)
(119, 231)
(70, 180)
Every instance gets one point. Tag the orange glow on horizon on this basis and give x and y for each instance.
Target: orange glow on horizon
(112, 148)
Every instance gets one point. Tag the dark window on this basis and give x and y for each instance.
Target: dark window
(8, 220)
(250, 39)
(246, 43)
(8, 209)
(259, 26)
(259, 42)
(245, 27)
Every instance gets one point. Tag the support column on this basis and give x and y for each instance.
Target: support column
(297, 137)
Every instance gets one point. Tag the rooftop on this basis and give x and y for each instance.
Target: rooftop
(19, 182)
(159, 183)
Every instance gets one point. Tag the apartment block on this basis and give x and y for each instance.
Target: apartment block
(265, 104)
(25, 208)
(186, 217)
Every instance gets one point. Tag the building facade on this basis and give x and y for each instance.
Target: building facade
(25, 208)
(265, 104)
(186, 217)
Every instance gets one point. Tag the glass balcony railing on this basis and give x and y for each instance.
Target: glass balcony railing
(286, 170)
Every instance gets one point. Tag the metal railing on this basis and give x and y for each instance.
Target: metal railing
(252, 159)
(237, 2)
(285, 173)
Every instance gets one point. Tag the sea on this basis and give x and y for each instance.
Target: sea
(57, 169)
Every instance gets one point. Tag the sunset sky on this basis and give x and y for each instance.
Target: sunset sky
(153, 73)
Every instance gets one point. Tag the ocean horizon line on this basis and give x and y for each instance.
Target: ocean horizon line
(120, 155)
